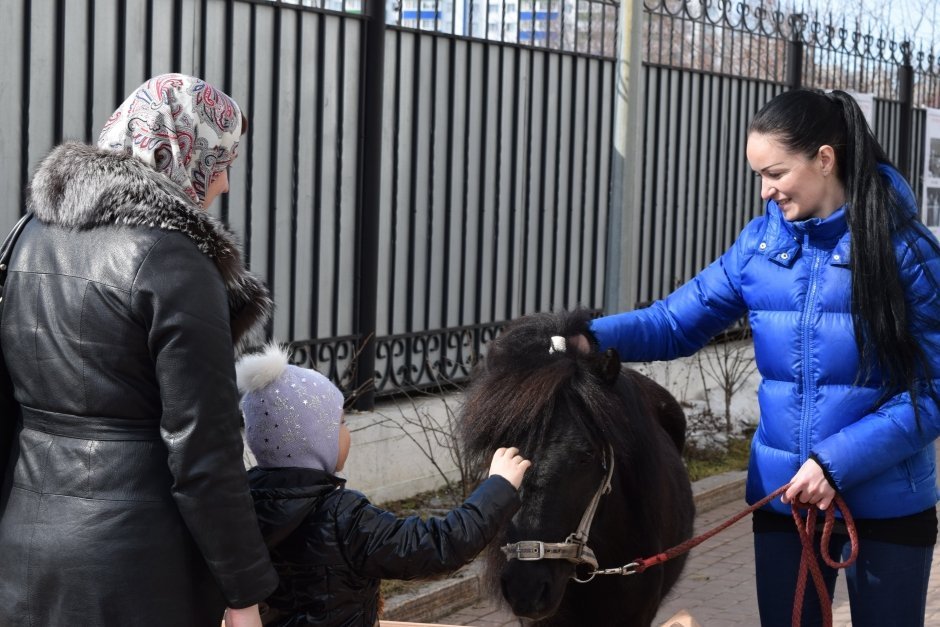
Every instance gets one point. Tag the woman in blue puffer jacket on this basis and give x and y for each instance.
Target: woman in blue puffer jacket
(839, 280)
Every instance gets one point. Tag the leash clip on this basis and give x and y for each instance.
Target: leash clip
(626, 569)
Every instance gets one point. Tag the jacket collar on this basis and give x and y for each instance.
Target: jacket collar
(82, 187)
(783, 240)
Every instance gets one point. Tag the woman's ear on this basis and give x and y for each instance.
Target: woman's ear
(827, 159)
(610, 366)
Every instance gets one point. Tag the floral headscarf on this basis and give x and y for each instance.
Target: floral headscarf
(180, 126)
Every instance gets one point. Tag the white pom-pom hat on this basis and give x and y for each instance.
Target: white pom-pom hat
(292, 414)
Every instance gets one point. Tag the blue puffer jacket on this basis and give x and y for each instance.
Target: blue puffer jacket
(794, 281)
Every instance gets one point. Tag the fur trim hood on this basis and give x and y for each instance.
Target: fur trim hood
(80, 186)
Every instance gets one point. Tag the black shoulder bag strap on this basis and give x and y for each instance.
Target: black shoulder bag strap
(9, 410)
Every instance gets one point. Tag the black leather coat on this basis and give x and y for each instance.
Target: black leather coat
(125, 500)
(331, 547)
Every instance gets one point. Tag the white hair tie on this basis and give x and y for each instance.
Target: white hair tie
(558, 345)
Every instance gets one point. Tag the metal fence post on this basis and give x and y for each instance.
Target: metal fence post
(795, 51)
(906, 121)
(369, 190)
(625, 190)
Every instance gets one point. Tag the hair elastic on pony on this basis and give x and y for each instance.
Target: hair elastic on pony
(558, 345)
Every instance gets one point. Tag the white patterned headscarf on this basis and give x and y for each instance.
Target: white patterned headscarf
(180, 126)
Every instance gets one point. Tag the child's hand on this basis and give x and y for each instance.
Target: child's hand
(510, 465)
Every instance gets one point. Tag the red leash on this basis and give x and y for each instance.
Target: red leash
(808, 563)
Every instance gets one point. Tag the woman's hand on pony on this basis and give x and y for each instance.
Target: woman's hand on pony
(510, 465)
(810, 487)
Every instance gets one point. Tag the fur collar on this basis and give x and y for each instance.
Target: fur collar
(80, 186)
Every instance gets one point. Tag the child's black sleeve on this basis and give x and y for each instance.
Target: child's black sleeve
(378, 544)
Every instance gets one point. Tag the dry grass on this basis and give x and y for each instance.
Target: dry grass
(702, 462)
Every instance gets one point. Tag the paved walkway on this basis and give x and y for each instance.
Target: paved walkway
(717, 586)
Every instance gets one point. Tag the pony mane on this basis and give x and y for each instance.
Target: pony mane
(521, 384)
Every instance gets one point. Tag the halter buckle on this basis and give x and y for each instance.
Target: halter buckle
(526, 551)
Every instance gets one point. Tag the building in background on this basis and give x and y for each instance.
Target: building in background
(575, 25)
(436, 15)
(583, 25)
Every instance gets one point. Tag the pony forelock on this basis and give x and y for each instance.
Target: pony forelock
(521, 383)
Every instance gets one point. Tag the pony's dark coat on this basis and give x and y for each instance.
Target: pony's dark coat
(563, 409)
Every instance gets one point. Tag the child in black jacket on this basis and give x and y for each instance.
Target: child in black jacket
(329, 545)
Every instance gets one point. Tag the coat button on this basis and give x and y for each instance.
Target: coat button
(837, 257)
(784, 256)
(763, 245)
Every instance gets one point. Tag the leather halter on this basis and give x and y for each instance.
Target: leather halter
(574, 548)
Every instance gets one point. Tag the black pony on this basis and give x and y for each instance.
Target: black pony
(568, 412)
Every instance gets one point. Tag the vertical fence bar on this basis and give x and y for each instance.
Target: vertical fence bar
(295, 175)
(498, 214)
(339, 147)
(414, 153)
(513, 179)
(905, 123)
(90, 72)
(317, 175)
(273, 166)
(228, 71)
(203, 44)
(795, 52)
(465, 183)
(395, 170)
(148, 39)
(432, 173)
(24, 111)
(370, 174)
(448, 170)
(59, 89)
(482, 188)
(249, 157)
(176, 59)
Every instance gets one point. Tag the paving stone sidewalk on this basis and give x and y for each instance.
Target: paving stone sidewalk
(717, 586)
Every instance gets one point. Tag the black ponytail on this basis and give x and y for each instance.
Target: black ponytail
(803, 120)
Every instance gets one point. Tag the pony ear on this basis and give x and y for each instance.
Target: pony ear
(610, 366)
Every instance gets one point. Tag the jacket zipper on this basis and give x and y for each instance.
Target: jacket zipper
(808, 388)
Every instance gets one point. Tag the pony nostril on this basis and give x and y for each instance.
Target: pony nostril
(527, 597)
